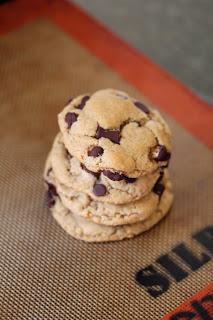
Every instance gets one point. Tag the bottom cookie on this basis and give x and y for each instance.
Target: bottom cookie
(82, 229)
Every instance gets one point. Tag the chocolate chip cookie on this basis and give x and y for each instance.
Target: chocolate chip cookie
(83, 229)
(111, 132)
(104, 185)
(106, 175)
(110, 214)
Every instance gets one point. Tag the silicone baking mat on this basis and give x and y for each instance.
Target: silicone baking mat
(45, 273)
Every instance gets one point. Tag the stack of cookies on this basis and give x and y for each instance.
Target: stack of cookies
(106, 173)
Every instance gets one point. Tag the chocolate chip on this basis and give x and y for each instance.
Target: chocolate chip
(162, 154)
(95, 174)
(130, 180)
(50, 194)
(159, 187)
(70, 118)
(52, 189)
(99, 189)
(142, 107)
(111, 134)
(95, 152)
(115, 176)
(83, 102)
(50, 201)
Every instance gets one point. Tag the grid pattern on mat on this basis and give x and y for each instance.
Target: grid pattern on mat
(44, 273)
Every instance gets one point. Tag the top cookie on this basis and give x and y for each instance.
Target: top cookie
(111, 131)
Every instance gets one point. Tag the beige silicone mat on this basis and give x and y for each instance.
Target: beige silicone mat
(44, 273)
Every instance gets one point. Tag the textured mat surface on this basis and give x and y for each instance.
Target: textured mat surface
(44, 273)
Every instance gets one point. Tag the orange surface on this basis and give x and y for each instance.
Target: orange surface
(154, 83)
(187, 306)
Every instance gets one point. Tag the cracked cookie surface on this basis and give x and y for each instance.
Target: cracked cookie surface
(112, 131)
(118, 189)
(81, 228)
(111, 214)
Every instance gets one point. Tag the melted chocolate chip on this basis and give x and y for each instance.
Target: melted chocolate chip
(52, 189)
(162, 154)
(111, 134)
(159, 187)
(99, 189)
(83, 102)
(70, 118)
(115, 176)
(50, 194)
(95, 152)
(95, 174)
(142, 107)
(50, 201)
(130, 180)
